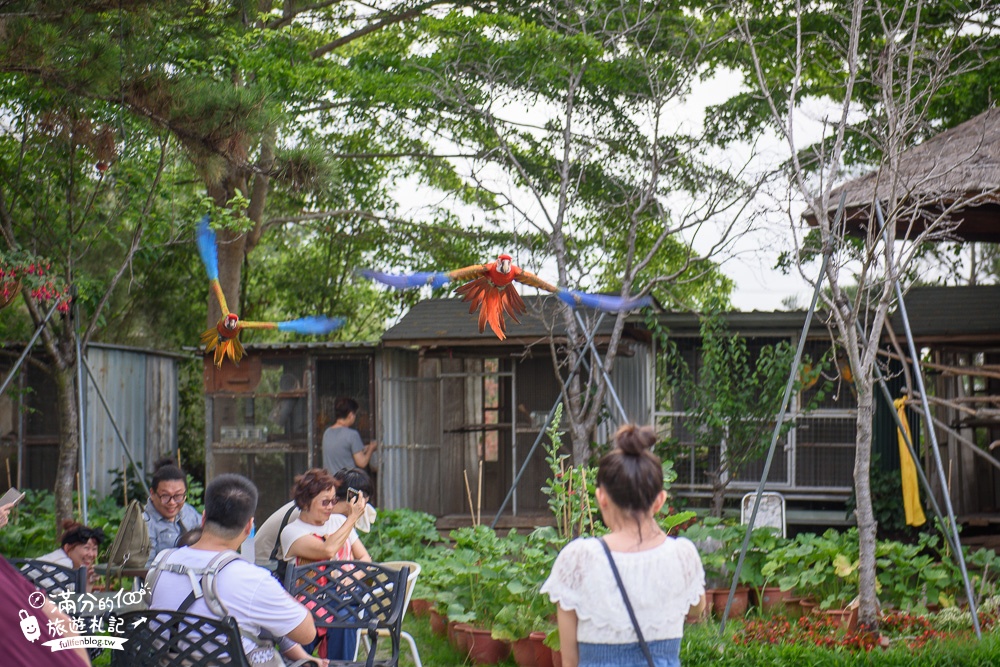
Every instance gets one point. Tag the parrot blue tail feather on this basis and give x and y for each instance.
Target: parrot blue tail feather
(603, 302)
(206, 248)
(315, 325)
(407, 281)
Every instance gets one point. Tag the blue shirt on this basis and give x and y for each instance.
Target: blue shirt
(163, 532)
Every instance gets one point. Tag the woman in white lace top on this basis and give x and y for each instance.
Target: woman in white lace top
(662, 576)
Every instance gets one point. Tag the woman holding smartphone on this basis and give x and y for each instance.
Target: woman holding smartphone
(330, 506)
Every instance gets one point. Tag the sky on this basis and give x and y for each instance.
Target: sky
(750, 260)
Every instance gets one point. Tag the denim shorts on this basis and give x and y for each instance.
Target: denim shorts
(666, 653)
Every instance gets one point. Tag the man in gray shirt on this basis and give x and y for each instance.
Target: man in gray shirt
(342, 446)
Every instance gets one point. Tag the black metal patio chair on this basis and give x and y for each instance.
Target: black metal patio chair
(353, 595)
(52, 579)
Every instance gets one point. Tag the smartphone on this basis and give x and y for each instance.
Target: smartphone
(12, 496)
(352, 493)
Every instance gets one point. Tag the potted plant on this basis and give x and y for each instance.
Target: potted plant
(764, 541)
(524, 609)
(719, 543)
(823, 568)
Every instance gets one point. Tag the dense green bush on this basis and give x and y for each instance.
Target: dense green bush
(32, 528)
(701, 646)
(401, 534)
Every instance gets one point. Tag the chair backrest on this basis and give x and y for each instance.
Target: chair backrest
(771, 512)
(51, 578)
(410, 581)
(159, 638)
(350, 594)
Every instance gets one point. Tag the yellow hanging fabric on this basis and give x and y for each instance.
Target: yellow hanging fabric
(908, 470)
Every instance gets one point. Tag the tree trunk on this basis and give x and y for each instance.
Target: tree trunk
(868, 609)
(69, 441)
(718, 492)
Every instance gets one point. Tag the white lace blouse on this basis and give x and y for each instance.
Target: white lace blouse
(662, 584)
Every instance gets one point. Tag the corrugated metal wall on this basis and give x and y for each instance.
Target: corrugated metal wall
(632, 377)
(410, 445)
(141, 392)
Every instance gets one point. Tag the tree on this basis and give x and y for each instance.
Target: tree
(730, 397)
(567, 110)
(57, 203)
(133, 86)
(884, 72)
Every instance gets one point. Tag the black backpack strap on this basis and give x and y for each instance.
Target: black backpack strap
(284, 522)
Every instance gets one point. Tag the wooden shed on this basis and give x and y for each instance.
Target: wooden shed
(141, 389)
(265, 418)
(452, 397)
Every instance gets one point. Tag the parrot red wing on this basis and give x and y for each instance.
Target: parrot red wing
(224, 338)
(490, 290)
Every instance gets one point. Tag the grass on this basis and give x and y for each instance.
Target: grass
(434, 651)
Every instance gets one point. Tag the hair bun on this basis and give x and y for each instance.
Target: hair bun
(164, 462)
(635, 440)
(70, 524)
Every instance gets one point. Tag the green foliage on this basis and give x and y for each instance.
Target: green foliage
(32, 529)
(524, 609)
(402, 534)
(701, 646)
(730, 397)
(823, 567)
(570, 490)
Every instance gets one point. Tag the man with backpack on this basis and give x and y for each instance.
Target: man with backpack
(210, 579)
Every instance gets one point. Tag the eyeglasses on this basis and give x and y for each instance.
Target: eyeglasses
(176, 498)
(328, 502)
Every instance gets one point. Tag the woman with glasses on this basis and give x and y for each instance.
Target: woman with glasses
(166, 513)
(330, 507)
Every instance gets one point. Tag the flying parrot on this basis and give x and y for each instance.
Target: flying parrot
(489, 289)
(224, 338)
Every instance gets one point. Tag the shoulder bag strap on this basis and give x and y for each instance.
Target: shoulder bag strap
(277, 542)
(628, 605)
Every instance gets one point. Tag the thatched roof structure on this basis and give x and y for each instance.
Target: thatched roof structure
(957, 168)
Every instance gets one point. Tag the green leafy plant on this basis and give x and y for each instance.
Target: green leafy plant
(823, 567)
(471, 580)
(524, 609)
(402, 534)
(733, 395)
(570, 489)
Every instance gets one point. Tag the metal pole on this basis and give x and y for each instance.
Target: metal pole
(541, 433)
(931, 433)
(114, 424)
(781, 416)
(81, 419)
(607, 378)
(27, 349)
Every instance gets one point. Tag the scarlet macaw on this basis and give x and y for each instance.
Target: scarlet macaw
(489, 289)
(224, 338)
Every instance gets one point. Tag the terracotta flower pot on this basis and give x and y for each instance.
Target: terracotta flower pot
(439, 624)
(543, 654)
(808, 606)
(741, 601)
(556, 658)
(846, 619)
(524, 653)
(483, 649)
(771, 597)
(793, 609)
(459, 637)
(420, 607)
